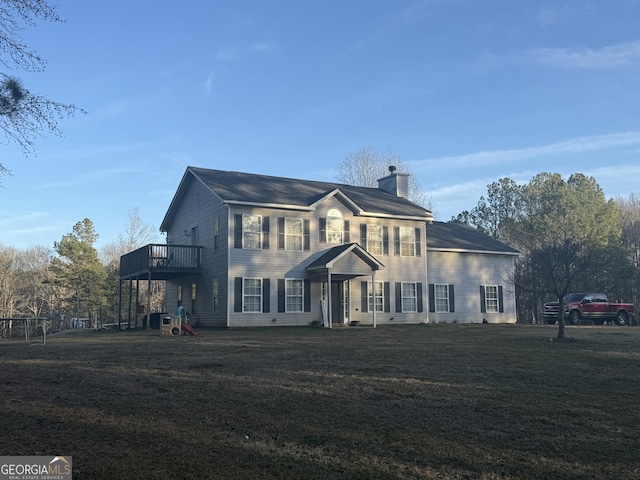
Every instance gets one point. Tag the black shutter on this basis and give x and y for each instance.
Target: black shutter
(432, 298)
(306, 238)
(237, 294)
(419, 296)
(385, 240)
(322, 230)
(418, 244)
(483, 301)
(307, 295)
(347, 236)
(452, 302)
(387, 300)
(237, 231)
(364, 297)
(363, 235)
(280, 233)
(281, 295)
(266, 295)
(500, 300)
(396, 240)
(398, 297)
(265, 233)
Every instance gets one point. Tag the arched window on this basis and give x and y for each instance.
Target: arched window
(335, 226)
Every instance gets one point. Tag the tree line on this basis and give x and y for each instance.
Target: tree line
(73, 279)
(571, 238)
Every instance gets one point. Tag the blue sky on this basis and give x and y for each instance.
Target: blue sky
(464, 91)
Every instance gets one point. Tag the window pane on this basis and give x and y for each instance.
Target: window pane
(376, 296)
(374, 239)
(334, 226)
(442, 298)
(491, 298)
(293, 234)
(407, 241)
(409, 303)
(252, 290)
(294, 294)
(252, 231)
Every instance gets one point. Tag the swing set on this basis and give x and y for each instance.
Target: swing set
(35, 329)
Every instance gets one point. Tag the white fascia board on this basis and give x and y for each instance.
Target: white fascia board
(339, 193)
(366, 256)
(396, 217)
(464, 250)
(271, 205)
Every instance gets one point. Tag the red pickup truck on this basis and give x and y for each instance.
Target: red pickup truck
(587, 308)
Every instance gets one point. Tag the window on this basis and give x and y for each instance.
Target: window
(491, 298)
(334, 227)
(376, 297)
(252, 231)
(252, 295)
(215, 296)
(441, 298)
(374, 239)
(179, 295)
(409, 297)
(441, 294)
(407, 241)
(294, 296)
(193, 298)
(293, 234)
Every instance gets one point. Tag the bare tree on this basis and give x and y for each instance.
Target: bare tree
(364, 167)
(38, 292)
(137, 233)
(25, 115)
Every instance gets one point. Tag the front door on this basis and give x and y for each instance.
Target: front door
(339, 302)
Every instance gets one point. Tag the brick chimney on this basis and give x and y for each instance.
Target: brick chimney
(395, 183)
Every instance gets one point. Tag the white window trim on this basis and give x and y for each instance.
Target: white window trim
(436, 297)
(371, 297)
(412, 243)
(495, 299)
(377, 242)
(335, 214)
(245, 295)
(287, 296)
(288, 235)
(259, 232)
(414, 297)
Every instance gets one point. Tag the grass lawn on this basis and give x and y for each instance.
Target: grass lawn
(428, 401)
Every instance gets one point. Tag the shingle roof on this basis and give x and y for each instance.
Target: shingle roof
(458, 236)
(265, 189)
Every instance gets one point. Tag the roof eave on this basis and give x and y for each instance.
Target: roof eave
(468, 250)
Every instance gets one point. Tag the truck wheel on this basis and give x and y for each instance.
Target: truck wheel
(622, 319)
(574, 317)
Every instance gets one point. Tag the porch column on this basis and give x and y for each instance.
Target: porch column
(137, 303)
(119, 302)
(329, 305)
(373, 288)
(130, 297)
(149, 301)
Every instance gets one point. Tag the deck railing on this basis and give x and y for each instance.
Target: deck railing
(161, 258)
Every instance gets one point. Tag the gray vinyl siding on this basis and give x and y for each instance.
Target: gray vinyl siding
(198, 209)
(467, 272)
(274, 264)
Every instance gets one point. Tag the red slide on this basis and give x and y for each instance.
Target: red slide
(189, 329)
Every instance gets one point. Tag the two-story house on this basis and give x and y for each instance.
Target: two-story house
(256, 250)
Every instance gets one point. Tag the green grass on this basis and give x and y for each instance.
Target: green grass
(488, 402)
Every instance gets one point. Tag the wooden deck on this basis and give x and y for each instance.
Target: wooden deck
(161, 262)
